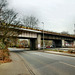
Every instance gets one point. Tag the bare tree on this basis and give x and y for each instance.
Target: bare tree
(7, 19)
(30, 21)
(64, 32)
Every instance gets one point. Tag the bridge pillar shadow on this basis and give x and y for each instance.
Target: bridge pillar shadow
(57, 43)
(32, 44)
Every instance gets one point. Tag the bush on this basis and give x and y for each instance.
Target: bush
(2, 46)
(71, 51)
(61, 51)
(4, 55)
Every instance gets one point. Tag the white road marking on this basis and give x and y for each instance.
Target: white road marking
(67, 64)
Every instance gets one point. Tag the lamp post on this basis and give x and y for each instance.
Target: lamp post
(43, 35)
(74, 29)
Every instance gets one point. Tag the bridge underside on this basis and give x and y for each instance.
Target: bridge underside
(61, 43)
(32, 42)
(35, 41)
(57, 43)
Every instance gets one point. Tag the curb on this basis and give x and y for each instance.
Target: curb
(30, 70)
(28, 66)
(60, 54)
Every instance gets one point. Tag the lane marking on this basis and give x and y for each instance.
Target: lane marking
(67, 64)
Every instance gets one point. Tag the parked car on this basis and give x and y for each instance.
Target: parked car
(51, 46)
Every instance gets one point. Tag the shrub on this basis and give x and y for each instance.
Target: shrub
(71, 51)
(61, 51)
(4, 55)
(2, 46)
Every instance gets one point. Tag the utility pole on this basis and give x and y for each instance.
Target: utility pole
(43, 35)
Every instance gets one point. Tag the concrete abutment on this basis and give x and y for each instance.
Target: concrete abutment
(35, 43)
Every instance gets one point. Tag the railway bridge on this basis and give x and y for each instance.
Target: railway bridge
(36, 36)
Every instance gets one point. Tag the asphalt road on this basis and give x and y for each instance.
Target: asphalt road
(49, 64)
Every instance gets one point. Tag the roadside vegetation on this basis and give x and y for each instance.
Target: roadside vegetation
(57, 50)
(9, 20)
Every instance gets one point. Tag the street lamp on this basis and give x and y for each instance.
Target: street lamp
(74, 29)
(43, 35)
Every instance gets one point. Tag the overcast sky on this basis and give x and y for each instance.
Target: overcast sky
(57, 15)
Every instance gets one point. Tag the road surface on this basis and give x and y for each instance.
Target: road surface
(49, 64)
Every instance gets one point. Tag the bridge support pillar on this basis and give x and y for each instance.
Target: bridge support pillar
(63, 43)
(38, 42)
(74, 43)
(35, 43)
